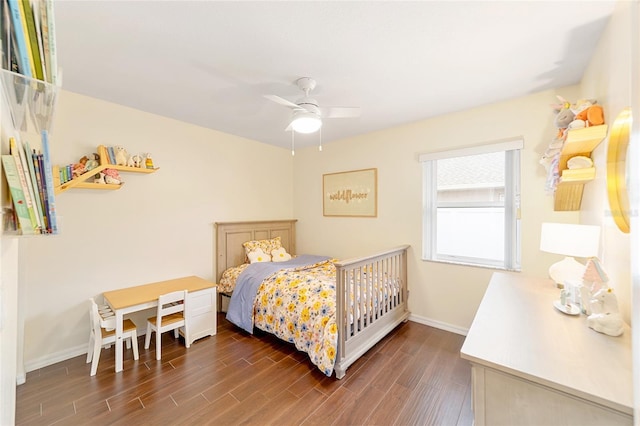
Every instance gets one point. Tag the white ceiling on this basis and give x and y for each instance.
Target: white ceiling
(210, 62)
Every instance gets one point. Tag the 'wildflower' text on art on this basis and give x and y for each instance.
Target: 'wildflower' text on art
(347, 195)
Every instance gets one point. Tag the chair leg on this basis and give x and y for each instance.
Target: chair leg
(90, 349)
(175, 333)
(128, 342)
(134, 344)
(97, 347)
(147, 337)
(158, 345)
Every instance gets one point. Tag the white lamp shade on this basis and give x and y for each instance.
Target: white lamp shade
(570, 239)
(306, 122)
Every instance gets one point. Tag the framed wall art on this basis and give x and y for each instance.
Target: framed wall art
(352, 193)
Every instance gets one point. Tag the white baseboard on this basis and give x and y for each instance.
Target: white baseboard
(438, 324)
(50, 359)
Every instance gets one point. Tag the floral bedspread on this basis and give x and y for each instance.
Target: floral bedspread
(299, 305)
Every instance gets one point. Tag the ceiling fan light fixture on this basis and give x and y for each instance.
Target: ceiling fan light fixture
(306, 122)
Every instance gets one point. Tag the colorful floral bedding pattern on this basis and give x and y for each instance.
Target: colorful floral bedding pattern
(228, 279)
(299, 306)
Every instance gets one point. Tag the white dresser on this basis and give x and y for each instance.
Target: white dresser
(533, 365)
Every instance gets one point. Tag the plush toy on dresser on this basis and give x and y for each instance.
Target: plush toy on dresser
(605, 317)
(599, 302)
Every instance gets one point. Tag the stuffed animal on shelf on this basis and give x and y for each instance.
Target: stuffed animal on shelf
(148, 161)
(99, 178)
(92, 163)
(564, 116)
(135, 160)
(111, 176)
(587, 114)
(605, 317)
(121, 155)
(80, 167)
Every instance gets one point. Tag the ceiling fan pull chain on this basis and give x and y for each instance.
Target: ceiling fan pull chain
(293, 149)
(320, 135)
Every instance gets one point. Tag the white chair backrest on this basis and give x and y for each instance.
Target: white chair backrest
(171, 303)
(99, 319)
(94, 317)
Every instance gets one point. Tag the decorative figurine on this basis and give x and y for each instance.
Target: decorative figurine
(99, 178)
(121, 156)
(605, 317)
(112, 177)
(148, 161)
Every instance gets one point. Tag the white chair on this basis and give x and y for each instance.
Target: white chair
(170, 315)
(103, 323)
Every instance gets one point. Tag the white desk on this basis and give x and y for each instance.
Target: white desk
(133, 299)
(533, 365)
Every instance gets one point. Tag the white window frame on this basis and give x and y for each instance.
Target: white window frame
(512, 232)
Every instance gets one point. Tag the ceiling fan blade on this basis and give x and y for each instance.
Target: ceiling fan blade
(340, 112)
(289, 128)
(282, 101)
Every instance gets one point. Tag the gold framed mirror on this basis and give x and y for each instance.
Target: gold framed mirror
(617, 169)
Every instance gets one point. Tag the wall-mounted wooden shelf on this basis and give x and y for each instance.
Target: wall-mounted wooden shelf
(568, 195)
(85, 181)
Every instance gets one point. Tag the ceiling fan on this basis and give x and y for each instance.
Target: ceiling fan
(307, 114)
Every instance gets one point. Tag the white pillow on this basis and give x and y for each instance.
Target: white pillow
(257, 256)
(280, 255)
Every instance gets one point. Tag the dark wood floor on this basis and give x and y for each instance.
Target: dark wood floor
(414, 376)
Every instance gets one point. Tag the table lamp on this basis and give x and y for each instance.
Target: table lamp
(569, 240)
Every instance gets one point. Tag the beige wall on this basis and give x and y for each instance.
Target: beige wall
(608, 79)
(156, 227)
(441, 294)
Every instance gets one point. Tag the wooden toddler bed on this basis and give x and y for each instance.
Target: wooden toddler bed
(370, 293)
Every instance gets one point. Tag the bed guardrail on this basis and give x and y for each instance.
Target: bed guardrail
(371, 300)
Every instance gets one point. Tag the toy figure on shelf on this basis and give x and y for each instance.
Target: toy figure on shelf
(92, 163)
(99, 178)
(112, 177)
(148, 161)
(134, 160)
(121, 156)
(584, 113)
(79, 168)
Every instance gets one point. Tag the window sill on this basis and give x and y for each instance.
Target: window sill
(476, 265)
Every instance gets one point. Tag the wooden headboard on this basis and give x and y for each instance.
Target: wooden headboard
(231, 235)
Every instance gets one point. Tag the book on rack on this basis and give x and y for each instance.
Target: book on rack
(43, 24)
(36, 159)
(17, 194)
(48, 180)
(27, 39)
(25, 183)
(31, 188)
(5, 35)
(37, 201)
(32, 37)
(49, 33)
(38, 164)
(112, 155)
(22, 54)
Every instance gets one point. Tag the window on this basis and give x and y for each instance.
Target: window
(471, 205)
